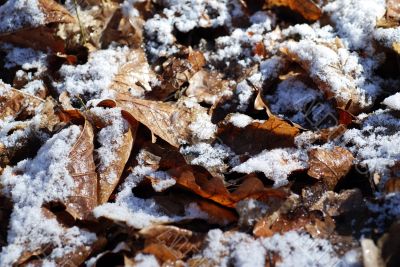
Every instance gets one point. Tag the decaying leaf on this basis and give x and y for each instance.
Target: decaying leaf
(206, 186)
(134, 77)
(170, 121)
(307, 8)
(330, 165)
(17, 103)
(258, 136)
(170, 242)
(207, 86)
(82, 168)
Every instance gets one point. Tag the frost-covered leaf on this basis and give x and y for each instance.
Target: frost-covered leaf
(255, 136)
(83, 170)
(20, 14)
(176, 123)
(116, 139)
(133, 77)
(330, 165)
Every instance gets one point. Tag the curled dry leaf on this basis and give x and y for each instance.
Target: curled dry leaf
(258, 136)
(120, 29)
(307, 8)
(213, 188)
(170, 242)
(330, 165)
(169, 121)
(134, 77)
(207, 86)
(82, 168)
(17, 103)
(51, 11)
(36, 36)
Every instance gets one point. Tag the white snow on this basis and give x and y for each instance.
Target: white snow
(276, 164)
(297, 249)
(30, 184)
(19, 14)
(94, 77)
(110, 137)
(240, 120)
(202, 128)
(355, 20)
(377, 144)
(393, 101)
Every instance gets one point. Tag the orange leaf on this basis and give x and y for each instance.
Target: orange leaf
(258, 136)
(307, 8)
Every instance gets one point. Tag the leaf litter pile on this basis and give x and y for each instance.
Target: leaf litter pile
(199, 133)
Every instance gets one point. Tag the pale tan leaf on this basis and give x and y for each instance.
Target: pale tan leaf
(133, 78)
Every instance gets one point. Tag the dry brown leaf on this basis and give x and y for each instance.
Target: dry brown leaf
(330, 165)
(169, 121)
(82, 168)
(257, 136)
(17, 103)
(307, 8)
(202, 183)
(207, 86)
(170, 242)
(133, 78)
(54, 12)
(123, 31)
(109, 176)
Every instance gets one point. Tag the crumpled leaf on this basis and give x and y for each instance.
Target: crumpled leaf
(120, 29)
(17, 103)
(207, 86)
(82, 168)
(170, 242)
(176, 72)
(39, 37)
(258, 136)
(307, 8)
(213, 188)
(134, 77)
(169, 121)
(330, 165)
